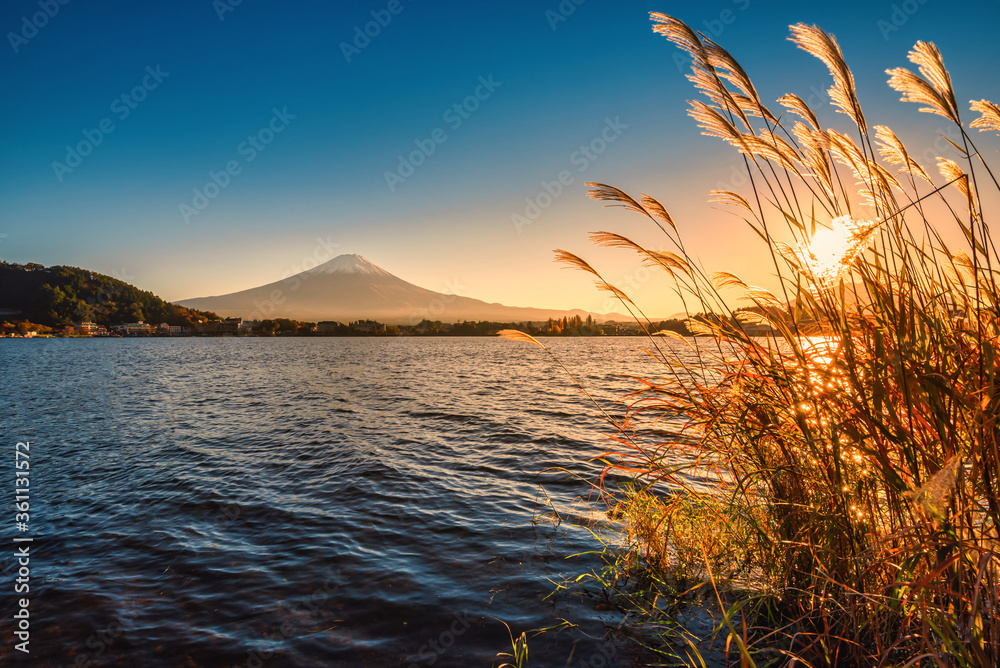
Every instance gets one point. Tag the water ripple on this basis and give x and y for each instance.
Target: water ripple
(300, 502)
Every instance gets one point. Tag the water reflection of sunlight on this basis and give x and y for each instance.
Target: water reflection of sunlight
(821, 351)
(822, 354)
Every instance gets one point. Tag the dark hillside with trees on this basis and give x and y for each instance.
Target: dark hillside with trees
(55, 296)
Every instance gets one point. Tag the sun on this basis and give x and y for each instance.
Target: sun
(831, 250)
(830, 246)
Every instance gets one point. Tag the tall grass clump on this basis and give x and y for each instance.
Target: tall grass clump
(849, 415)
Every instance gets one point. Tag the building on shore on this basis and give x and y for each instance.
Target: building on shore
(134, 328)
(368, 327)
(91, 329)
(328, 327)
(227, 326)
(171, 330)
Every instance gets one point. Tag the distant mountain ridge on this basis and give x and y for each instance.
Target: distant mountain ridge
(350, 287)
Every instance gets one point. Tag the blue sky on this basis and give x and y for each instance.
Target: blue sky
(260, 105)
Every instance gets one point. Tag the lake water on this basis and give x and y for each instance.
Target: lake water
(305, 501)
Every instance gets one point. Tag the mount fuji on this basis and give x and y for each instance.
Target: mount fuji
(349, 287)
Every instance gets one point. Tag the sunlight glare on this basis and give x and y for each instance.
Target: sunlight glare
(831, 251)
(829, 248)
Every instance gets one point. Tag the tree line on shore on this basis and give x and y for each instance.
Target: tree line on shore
(288, 327)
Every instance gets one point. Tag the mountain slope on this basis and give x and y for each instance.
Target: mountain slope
(349, 287)
(60, 295)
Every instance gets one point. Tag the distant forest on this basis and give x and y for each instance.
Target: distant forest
(55, 296)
